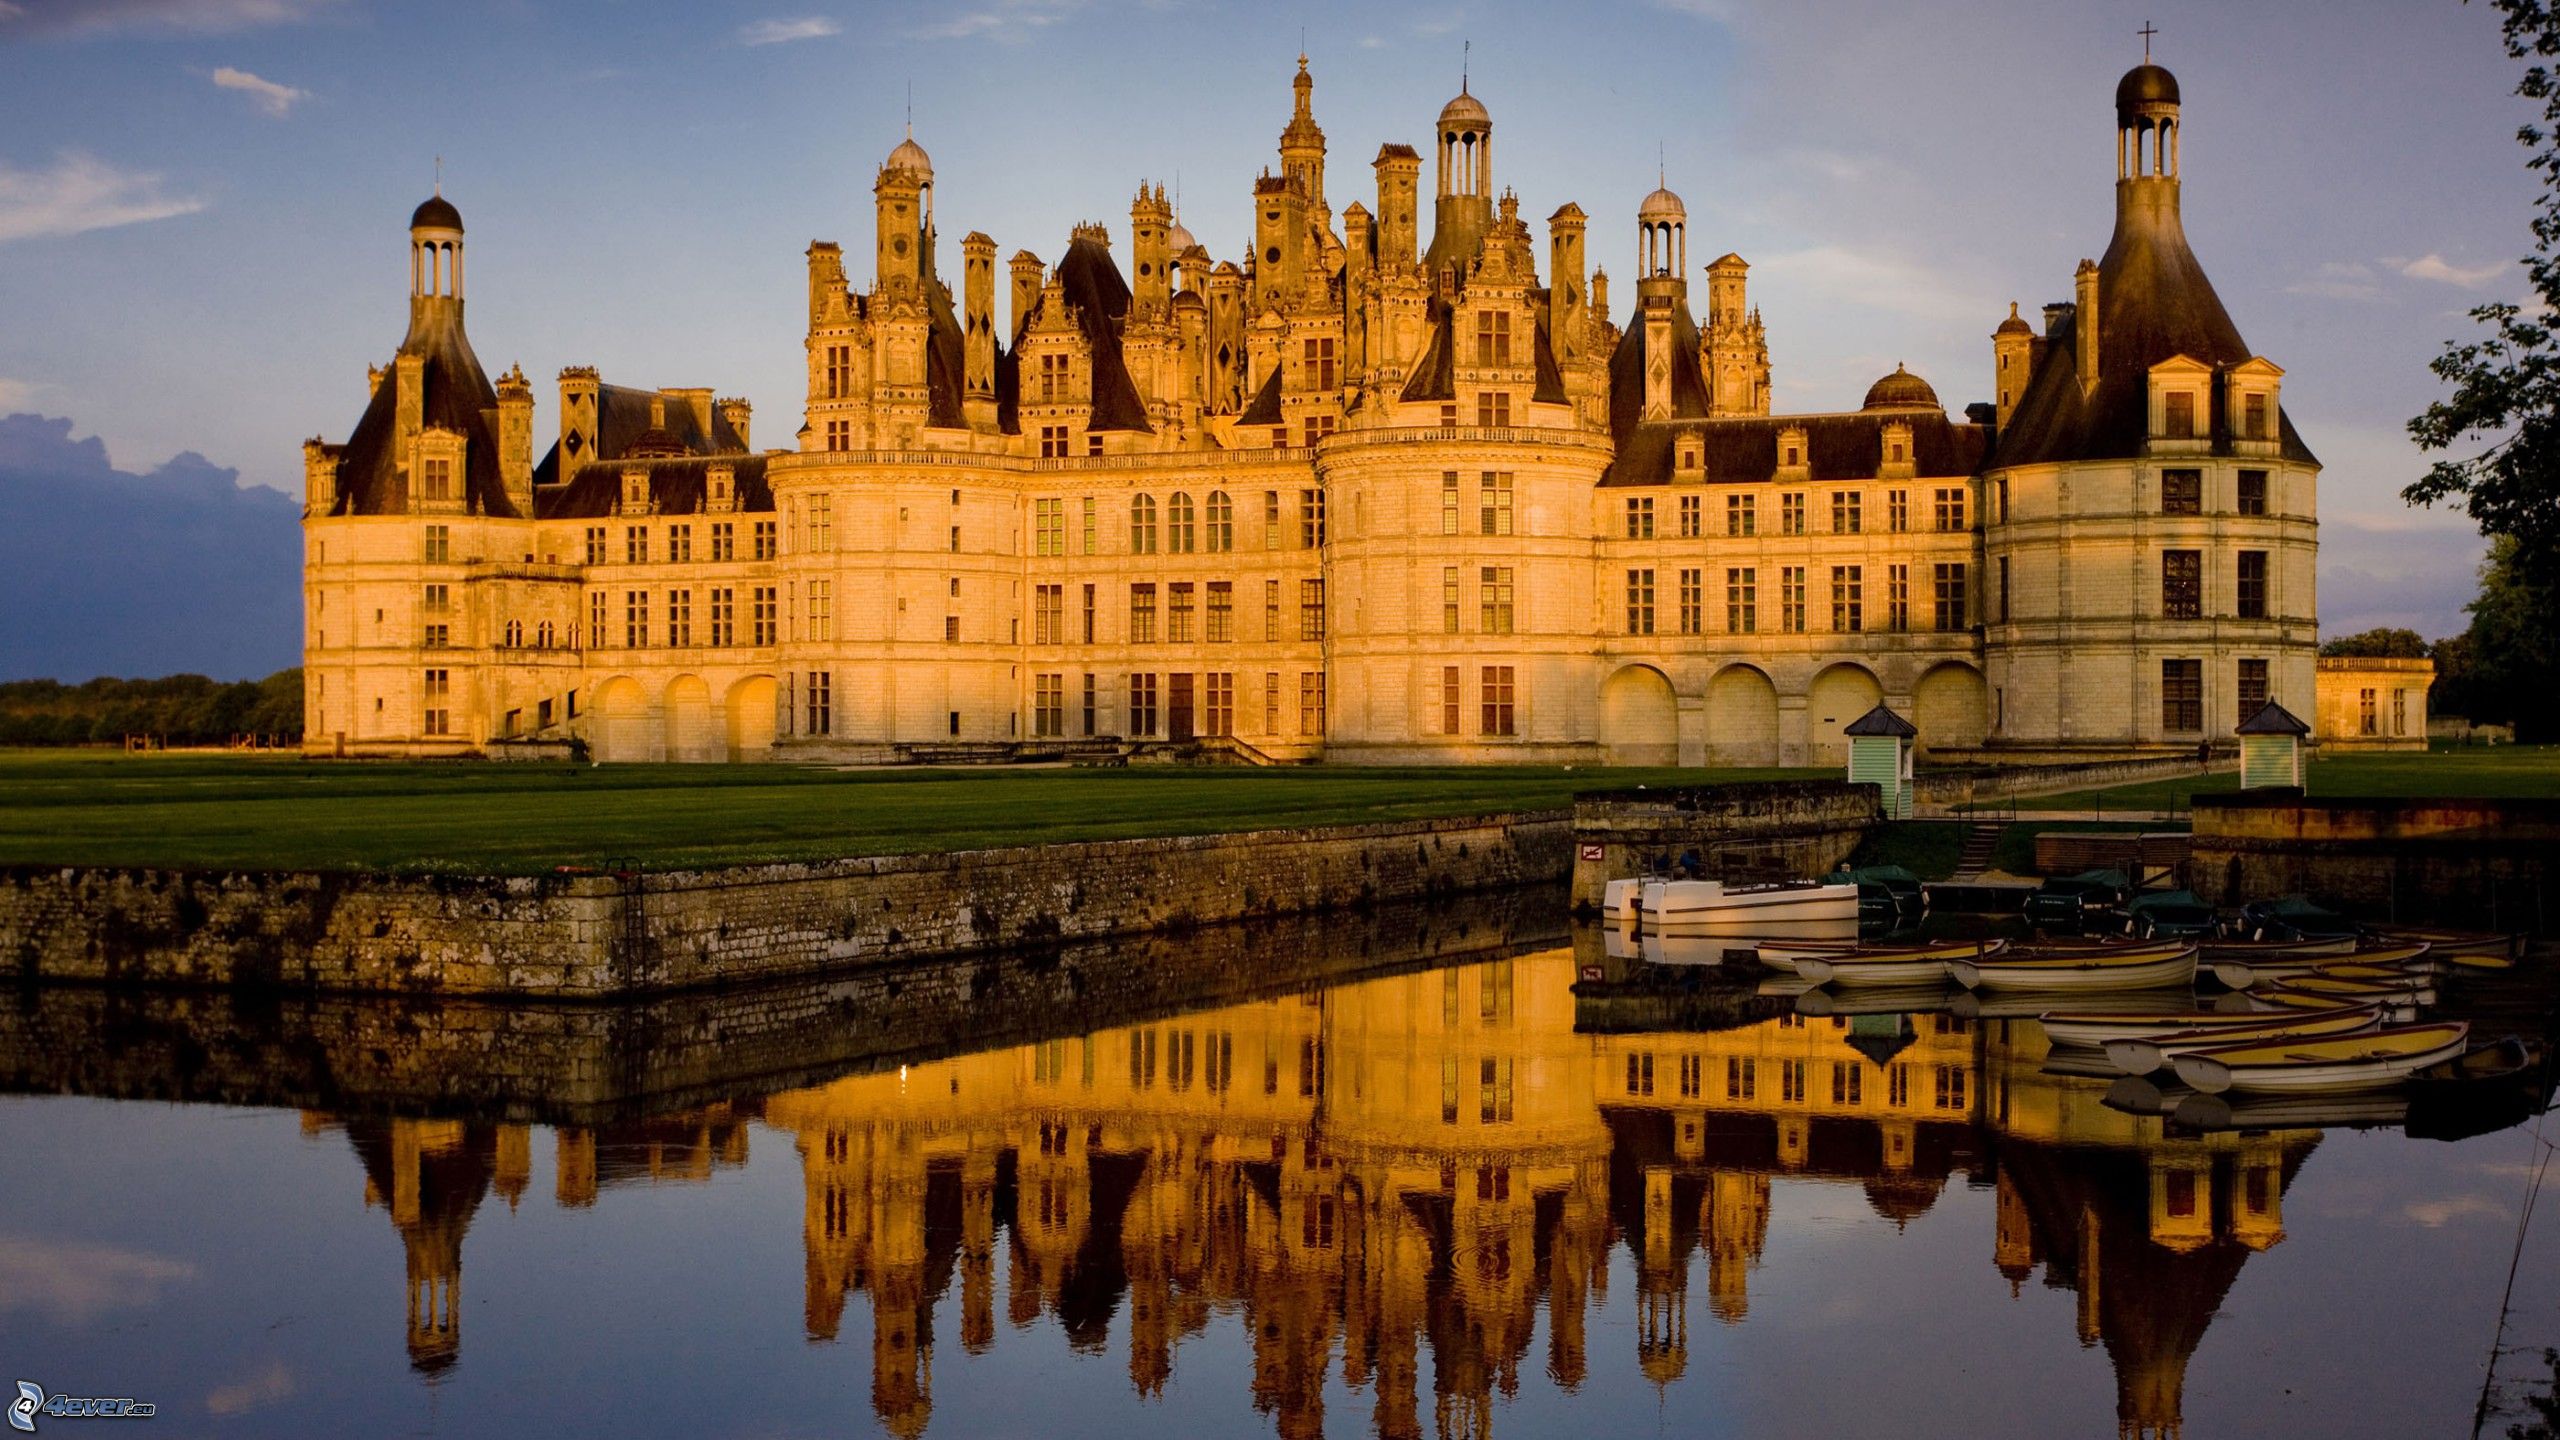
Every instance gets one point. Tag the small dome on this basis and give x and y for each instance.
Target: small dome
(1464, 112)
(910, 156)
(1901, 390)
(2146, 84)
(436, 214)
(1177, 240)
(1662, 205)
(2013, 325)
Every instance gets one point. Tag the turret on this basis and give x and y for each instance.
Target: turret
(2012, 359)
(581, 399)
(901, 197)
(1399, 171)
(515, 439)
(1465, 187)
(740, 417)
(1662, 248)
(1027, 273)
(1279, 242)
(1302, 143)
(978, 367)
(1151, 251)
(1565, 314)
(435, 257)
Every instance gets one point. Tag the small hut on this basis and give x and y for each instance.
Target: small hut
(2271, 748)
(1880, 755)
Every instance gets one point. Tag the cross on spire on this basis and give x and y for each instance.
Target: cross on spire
(2146, 32)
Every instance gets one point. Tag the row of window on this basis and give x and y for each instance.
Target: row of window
(721, 617)
(1179, 706)
(2182, 693)
(1848, 599)
(2182, 492)
(1742, 513)
(1191, 611)
(2182, 585)
(1848, 1081)
(2368, 714)
(636, 549)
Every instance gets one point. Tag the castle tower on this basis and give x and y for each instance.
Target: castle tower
(902, 199)
(1465, 187)
(2013, 346)
(1399, 172)
(1151, 250)
(978, 362)
(1302, 144)
(1737, 347)
(1662, 292)
(1565, 283)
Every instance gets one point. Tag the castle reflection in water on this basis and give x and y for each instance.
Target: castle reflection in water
(1418, 1163)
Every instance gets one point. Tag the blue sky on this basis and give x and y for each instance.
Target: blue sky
(202, 201)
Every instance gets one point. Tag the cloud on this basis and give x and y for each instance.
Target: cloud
(276, 100)
(2339, 280)
(168, 17)
(1373, 42)
(2435, 1214)
(1716, 10)
(2435, 267)
(79, 194)
(73, 1283)
(1007, 22)
(255, 1393)
(783, 32)
(15, 394)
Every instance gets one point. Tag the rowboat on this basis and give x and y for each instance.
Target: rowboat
(2128, 969)
(1812, 909)
(2029, 1004)
(1780, 955)
(2403, 990)
(2397, 1009)
(2214, 950)
(2373, 1060)
(2235, 1110)
(2094, 1029)
(1843, 964)
(2510, 1060)
(2242, 974)
(2476, 949)
(2142, 1054)
(1924, 999)
(2145, 1094)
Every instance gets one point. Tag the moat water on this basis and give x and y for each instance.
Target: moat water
(1448, 1199)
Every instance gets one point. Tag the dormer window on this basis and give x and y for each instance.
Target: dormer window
(2178, 415)
(436, 479)
(1795, 457)
(635, 491)
(719, 491)
(2253, 416)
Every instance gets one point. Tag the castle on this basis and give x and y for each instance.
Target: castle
(1360, 497)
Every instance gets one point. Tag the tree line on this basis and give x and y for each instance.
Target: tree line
(177, 709)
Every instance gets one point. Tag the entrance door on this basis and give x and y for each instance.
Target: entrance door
(1178, 710)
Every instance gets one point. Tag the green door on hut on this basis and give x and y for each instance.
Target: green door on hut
(1880, 755)
(2271, 748)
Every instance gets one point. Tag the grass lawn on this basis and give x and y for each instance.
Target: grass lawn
(268, 812)
(2505, 772)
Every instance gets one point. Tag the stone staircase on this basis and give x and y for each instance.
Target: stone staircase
(1979, 841)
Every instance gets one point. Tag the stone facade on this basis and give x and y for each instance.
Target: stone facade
(1360, 496)
(2373, 704)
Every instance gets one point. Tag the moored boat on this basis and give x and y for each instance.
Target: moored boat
(2143, 1054)
(1812, 909)
(2373, 1060)
(2243, 974)
(2277, 949)
(1789, 955)
(1618, 900)
(2472, 949)
(2233, 1110)
(1917, 965)
(2093, 1029)
(2131, 968)
(2342, 989)
(2396, 1008)
(1931, 998)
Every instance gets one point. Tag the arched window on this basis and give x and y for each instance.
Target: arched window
(1222, 522)
(542, 635)
(515, 634)
(1142, 525)
(1181, 535)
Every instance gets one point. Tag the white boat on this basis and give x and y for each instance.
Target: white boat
(1812, 910)
(2276, 950)
(2143, 1054)
(2235, 1111)
(1925, 999)
(2094, 1028)
(1618, 900)
(2130, 968)
(2031, 1004)
(2380, 990)
(2243, 974)
(1900, 966)
(2374, 1060)
(1784, 955)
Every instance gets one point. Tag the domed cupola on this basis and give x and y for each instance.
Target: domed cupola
(909, 156)
(1901, 390)
(1662, 237)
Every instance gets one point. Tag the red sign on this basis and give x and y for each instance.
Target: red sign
(1593, 852)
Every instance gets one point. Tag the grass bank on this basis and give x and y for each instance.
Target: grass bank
(2505, 772)
(281, 813)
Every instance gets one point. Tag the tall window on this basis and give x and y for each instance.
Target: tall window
(2182, 696)
(1639, 602)
(595, 544)
(1493, 338)
(635, 618)
(1846, 512)
(595, 619)
(822, 611)
(2365, 721)
(1692, 517)
(1791, 513)
(1142, 705)
(1142, 613)
(1449, 600)
(1500, 713)
(1271, 531)
(724, 616)
(1693, 601)
(1218, 703)
(1448, 502)
(1092, 705)
(1179, 598)
(1493, 503)
(438, 479)
(2004, 590)
(1494, 595)
(1088, 614)
(437, 693)
(764, 540)
(2181, 492)
(680, 615)
(1055, 383)
(1639, 517)
(1271, 610)
(680, 544)
(1181, 528)
(2182, 584)
(1048, 527)
(1311, 609)
(1311, 703)
(1092, 526)
(1053, 442)
(2251, 688)
(1222, 612)
(1950, 581)
(1897, 597)
(1048, 614)
(2253, 585)
(1791, 599)
(635, 545)
(1450, 700)
(839, 383)
(1493, 409)
(1741, 515)
(2180, 416)
(1222, 523)
(2253, 417)
(439, 545)
(1950, 505)
(724, 541)
(822, 523)
(766, 620)
(1142, 524)
(2253, 492)
(1311, 518)
(1741, 600)
(1320, 371)
(1048, 706)
(821, 696)
(1848, 598)
(839, 435)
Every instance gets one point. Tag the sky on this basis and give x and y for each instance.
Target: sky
(203, 202)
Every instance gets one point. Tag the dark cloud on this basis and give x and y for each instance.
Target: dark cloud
(104, 572)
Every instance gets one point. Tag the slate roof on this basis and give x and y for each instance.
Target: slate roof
(2272, 719)
(622, 427)
(1881, 721)
(676, 487)
(1092, 283)
(457, 397)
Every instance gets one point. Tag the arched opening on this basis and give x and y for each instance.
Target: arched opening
(1639, 719)
(693, 737)
(1742, 718)
(624, 732)
(1838, 695)
(750, 708)
(1951, 705)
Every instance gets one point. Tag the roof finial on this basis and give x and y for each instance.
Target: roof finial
(1661, 165)
(2146, 32)
(1466, 54)
(439, 175)
(911, 109)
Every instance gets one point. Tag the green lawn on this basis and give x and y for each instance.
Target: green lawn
(2506, 772)
(252, 812)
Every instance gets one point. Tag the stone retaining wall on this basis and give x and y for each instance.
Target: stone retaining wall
(1951, 788)
(1792, 827)
(2476, 863)
(603, 937)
